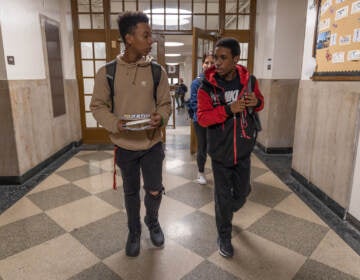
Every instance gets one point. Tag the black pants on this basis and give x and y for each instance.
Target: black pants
(232, 186)
(150, 163)
(201, 146)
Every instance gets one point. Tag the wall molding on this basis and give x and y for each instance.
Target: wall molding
(335, 207)
(18, 180)
(275, 150)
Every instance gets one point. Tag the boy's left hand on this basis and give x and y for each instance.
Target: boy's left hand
(251, 100)
(155, 120)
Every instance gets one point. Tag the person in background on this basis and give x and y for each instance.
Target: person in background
(225, 107)
(180, 91)
(208, 61)
(140, 150)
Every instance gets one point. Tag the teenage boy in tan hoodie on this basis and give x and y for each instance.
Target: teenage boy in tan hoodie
(136, 148)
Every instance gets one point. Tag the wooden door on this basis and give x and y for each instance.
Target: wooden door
(203, 43)
(96, 41)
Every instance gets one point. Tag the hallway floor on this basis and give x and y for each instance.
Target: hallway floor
(72, 225)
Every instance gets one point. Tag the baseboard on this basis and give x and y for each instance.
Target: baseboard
(352, 220)
(323, 197)
(275, 150)
(18, 180)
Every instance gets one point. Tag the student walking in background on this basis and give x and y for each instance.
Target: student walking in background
(207, 62)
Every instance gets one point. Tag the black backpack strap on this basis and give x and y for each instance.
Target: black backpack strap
(251, 83)
(156, 73)
(251, 87)
(110, 76)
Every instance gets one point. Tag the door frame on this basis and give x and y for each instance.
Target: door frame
(198, 34)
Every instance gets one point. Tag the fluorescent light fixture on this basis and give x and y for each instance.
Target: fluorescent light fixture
(172, 17)
(173, 44)
(172, 63)
(172, 54)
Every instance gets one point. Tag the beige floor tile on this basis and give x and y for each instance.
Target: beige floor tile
(334, 252)
(59, 258)
(243, 218)
(50, 182)
(293, 205)
(171, 181)
(170, 211)
(173, 163)
(171, 262)
(83, 153)
(249, 214)
(107, 164)
(22, 209)
(97, 183)
(256, 258)
(271, 179)
(209, 209)
(180, 130)
(255, 161)
(81, 212)
(73, 162)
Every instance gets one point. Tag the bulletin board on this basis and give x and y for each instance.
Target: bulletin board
(337, 42)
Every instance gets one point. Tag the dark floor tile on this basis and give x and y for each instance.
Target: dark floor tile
(115, 198)
(80, 172)
(192, 194)
(266, 194)
(58, 196)
(104, 237)
(289, 231)
(208, 271)
(196, 231)
(256, 172)
(318, 271)
(96, 156)
(26, 233)
(96, 272)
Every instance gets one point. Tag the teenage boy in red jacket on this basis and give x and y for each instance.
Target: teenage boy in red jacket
(225, 107)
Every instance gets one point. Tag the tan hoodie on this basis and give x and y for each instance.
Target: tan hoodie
(133, 89)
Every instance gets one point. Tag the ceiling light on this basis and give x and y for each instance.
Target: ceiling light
(172, 17)
(172, 63)
(172, 54)
(173, 44)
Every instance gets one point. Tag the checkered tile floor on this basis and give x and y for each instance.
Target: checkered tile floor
(73, 226)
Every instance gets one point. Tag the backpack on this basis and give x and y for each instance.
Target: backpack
(110, 75)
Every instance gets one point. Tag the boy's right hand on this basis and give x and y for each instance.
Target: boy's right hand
(238, 106)
(121, 125)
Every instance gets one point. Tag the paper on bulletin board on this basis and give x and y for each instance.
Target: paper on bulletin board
(338, 37)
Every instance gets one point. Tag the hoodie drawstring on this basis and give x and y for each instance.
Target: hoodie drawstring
(114, 171)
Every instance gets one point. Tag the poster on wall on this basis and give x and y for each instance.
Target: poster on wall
(337, 43)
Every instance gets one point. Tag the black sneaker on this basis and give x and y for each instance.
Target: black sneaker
(225, 247)
(156, 233)
(133, 244)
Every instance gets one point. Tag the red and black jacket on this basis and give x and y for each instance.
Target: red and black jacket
(227, 133)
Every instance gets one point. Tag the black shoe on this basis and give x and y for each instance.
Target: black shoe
(133, 244)
(156, 233)
(225, 247)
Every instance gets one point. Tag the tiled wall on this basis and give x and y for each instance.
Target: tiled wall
(8, 154)
(38, 134)
(325, 136)
(278, 116)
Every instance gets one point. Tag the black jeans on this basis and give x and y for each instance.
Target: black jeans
(150, 162)
(232, 186)
(201, 146)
